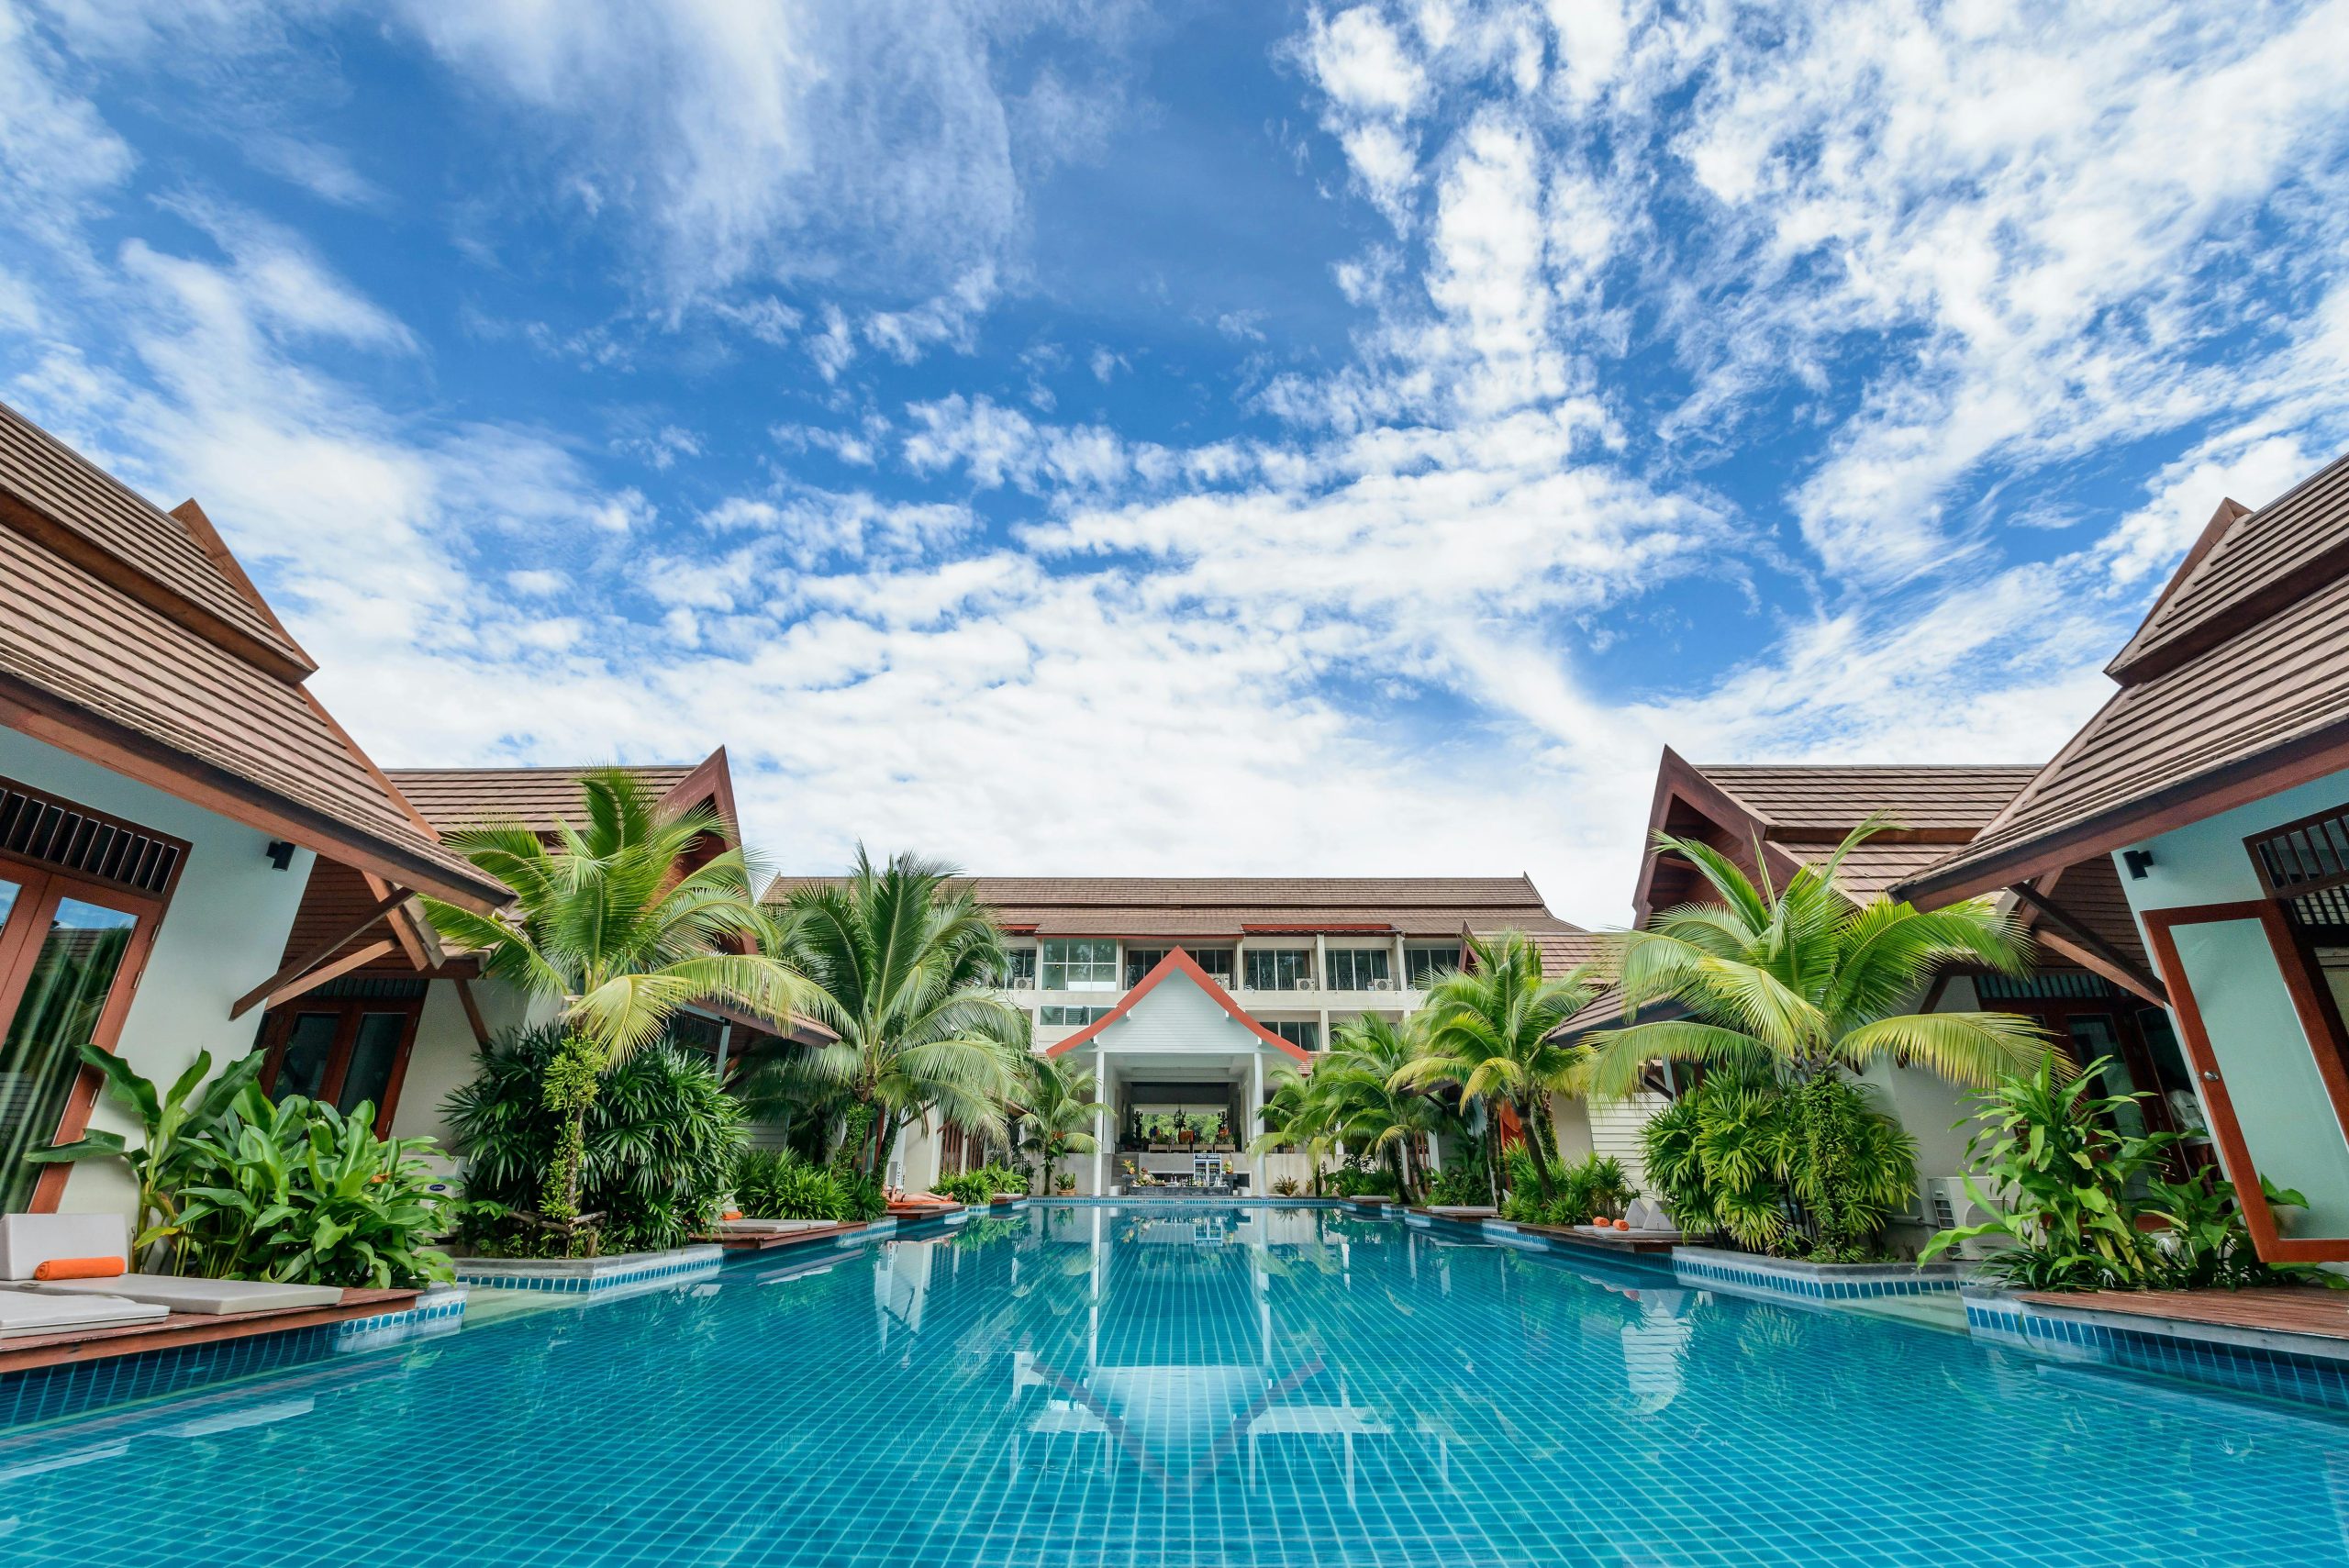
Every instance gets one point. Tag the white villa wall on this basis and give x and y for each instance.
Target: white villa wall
(2270, 1066)
(224, 933)
(442, 1059)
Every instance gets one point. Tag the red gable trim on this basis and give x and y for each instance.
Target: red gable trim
(1173, 961)
(1309, 929)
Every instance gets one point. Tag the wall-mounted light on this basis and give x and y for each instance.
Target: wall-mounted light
(281, 853)
(2139, 862)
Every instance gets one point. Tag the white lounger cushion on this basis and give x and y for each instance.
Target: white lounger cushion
(212, 1295)
(771, 1227)
(23, 1312)
(28, 1241)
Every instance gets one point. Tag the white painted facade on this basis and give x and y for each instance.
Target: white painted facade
(223, 932)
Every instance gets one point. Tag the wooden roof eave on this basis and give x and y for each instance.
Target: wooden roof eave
(95, 738)
(2239, 782)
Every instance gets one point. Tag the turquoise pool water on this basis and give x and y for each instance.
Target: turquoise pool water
(1142, 1386)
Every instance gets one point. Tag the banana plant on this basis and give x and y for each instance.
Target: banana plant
(300, 1192)
(171, 1121)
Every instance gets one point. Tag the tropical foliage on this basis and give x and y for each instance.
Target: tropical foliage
(231, 1186)
(2085, 1206)
(1055, 1112)
(985, 1184)
(1357, 1094)
(658, 1142)
(617, 923)
(1732, 1156)
(1593, 1187)
(1805, 984)
(169, 1123)
(775, 1184)
(300, 1193)
(901, 964)
(1492, 1029)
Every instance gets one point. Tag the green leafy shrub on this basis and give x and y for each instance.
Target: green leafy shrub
(1464, 1178)
(861, 1196)
(661, 1138)
(970, 1187)
(2069, 1182)
(300, 1193)
(1065, 1183)
(776, 1183)
(1285, 1187)
(1361, 1177)
(1592, 1188)
(1732, 1155)
(170, 1121)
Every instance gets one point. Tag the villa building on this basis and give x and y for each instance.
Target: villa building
(2212, 792)
(168, 785)
(1182, 996)
(2090, 990)
(398, 1025)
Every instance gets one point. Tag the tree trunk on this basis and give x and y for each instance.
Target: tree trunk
(1526, 1121)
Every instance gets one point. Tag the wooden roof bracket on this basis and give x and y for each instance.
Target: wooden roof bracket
(283, 983)
(2077, 940)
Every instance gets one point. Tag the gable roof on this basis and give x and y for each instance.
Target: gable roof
(1179, 962)
(2237, 686)
(124, 640)
(539, 797)
(1797, 812)
(1172, 908)
(1798, 799)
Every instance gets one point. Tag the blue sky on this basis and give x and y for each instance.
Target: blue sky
(1104, 437)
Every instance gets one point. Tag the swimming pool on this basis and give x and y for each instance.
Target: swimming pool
(1183, 1385)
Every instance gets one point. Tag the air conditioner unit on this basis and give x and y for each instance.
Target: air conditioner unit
(1949, 1206)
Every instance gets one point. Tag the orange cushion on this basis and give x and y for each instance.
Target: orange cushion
(731, 1214)
(79, 1268)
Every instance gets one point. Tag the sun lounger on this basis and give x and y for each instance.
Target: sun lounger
(29, 1241)
(210, 1296)
(22, 1312)
(769, 1227)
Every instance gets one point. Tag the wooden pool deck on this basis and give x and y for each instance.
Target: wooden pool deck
(767, 1241)
(2281, 1310)
(31, 1352)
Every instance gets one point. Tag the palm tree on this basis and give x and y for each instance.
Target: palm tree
(1373, 1108)
(1296, 1118)
(1492, 1028)
(1806, 982)
(616, 925)
(1054, 1110)
(903, 966)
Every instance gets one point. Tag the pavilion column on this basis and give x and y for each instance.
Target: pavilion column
(1104, 1133)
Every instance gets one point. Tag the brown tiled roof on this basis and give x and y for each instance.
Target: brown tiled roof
(2245, 568)
(1224, 906)
(536, 798)
(1834, 798)
(93, 518)
(2277, 693)
(127, 663)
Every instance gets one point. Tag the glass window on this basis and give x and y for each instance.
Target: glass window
(1081, 964)
(1019, 967)
(373, 1052)
(1054, 1017)
(1216, 961)
(9, 890)
(1423, 967)
(1359, 969)
(1305, 1036)
(1140, 961)
(309, 1053)
(1279, 968)
(72, 976)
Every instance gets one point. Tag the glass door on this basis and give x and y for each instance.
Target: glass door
(61, 954)
(2268, 1060)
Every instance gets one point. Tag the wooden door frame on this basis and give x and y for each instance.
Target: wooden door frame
(278, 1027)
(2320, 1025)
(44, 889)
